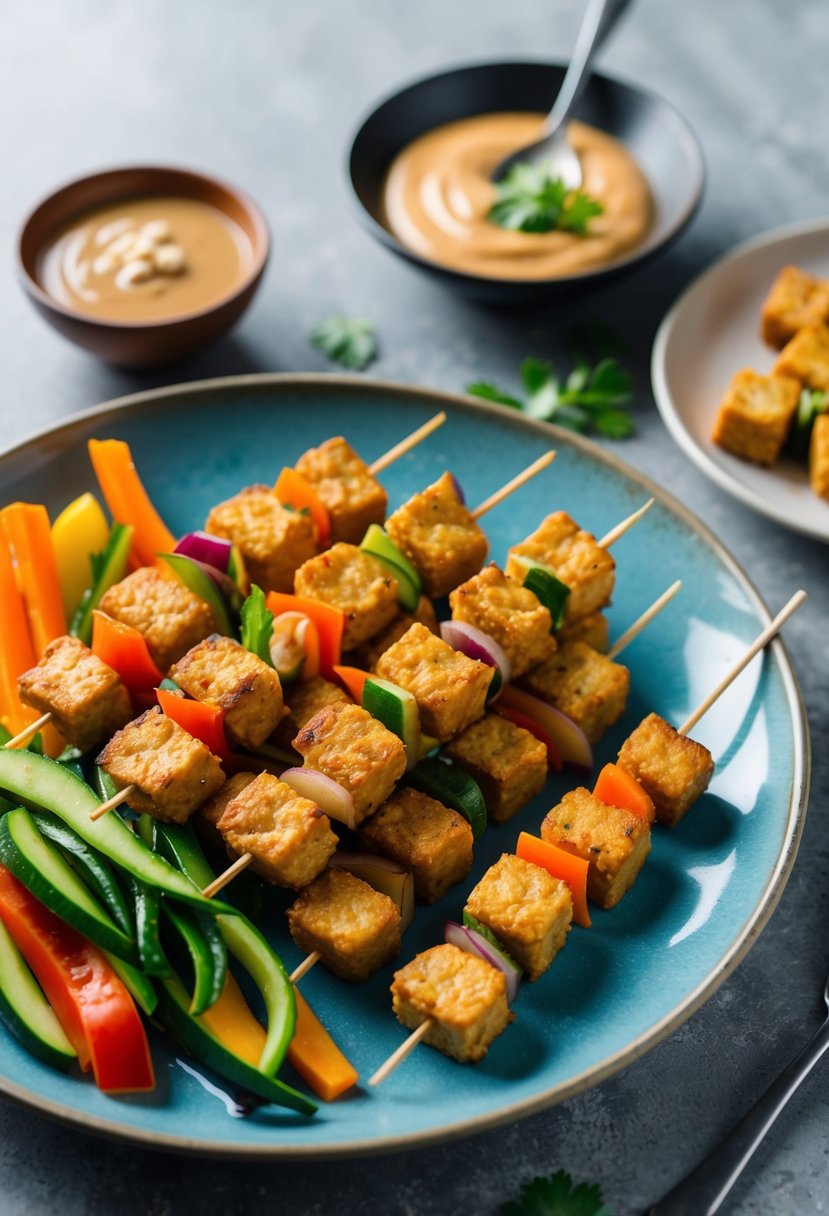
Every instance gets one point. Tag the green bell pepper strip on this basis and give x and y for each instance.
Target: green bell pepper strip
(108, 568)
(140, 986)
(246, 943)
(39, 782)
(202, 585)
(208, 954)
(175, 1015)
(147, 904)
(451, 785)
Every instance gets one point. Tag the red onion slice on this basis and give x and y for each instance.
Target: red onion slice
(207, 549)
(328, 795)
(458, 488)
(385, 875)
(571, 741)
(476, 644)
(473, 943)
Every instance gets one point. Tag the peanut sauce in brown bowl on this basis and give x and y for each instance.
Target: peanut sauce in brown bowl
(143, 265)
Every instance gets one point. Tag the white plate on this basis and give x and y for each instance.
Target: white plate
(711, 332)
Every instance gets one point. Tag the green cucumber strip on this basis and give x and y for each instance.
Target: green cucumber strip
(208, 955)
(108, 568)
(200, 1043)
(25, 1010)
(487, 934)
(546, 587)
(42, 869)
(397, 709)
(139, 985)
(94, 870)
(71, 758)
(147, 904)
(39, 782)
(449, 784)
(145, 827)
(245, 943)
(202, 585)
(379, 544)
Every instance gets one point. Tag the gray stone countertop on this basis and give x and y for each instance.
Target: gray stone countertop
(265, 94)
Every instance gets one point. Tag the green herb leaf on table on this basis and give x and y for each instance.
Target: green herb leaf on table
(529, 199)
(257, 624)
(346, 340)
(491, 392)
(557, 1196)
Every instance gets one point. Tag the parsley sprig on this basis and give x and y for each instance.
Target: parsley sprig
(346, 340)
(590, 398)
(557, 1196)
(529, 199)
(812, 403)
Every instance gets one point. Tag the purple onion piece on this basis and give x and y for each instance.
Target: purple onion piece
(476, 644)
(473, 943)
(458, 488)
(206, 549)
(331, 797)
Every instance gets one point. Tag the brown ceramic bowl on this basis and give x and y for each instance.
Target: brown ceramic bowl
(141, 343)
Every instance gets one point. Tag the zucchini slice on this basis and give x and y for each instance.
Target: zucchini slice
(451, 785)
(25, 1010)
(379, 544)
(546, 587)
(397, 709)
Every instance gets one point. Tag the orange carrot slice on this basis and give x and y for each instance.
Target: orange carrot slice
(29, 537)
(204, 722)
(329, 622)
(293, 490)
(353, 679)
(316, 1057)
(128, 501)
(124, 650)
(563, 865)
(17, 654)
(618, 788)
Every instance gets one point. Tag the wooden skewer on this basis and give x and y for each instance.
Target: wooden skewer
(511, 486)
(406, 445)
(647, 616)
(305, 966)
(405, 1049)
(28, 731)
(111, 803)
(241, 863)
(761, 641)
(621, 528)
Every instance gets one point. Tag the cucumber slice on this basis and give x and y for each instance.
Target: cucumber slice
(379, 544)
(449, 784)
(139, 985)
(42, 869)
(108, 568)
(25, 1010)
(397, 709)
(544, 584)
(95, 871)
(202, 585)
(39, 782)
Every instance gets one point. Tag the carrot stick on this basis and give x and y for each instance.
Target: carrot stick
(316, 1057)
(128, 501)
(28, 535)
(17, 654)
(617, 788)
(293, 490)
(354, 680)
(563, 865)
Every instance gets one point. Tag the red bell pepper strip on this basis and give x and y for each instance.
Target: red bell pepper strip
(202, 721)
(293, 490)
(124, 650)
(329, 622)
(529, 724)
(562, 865)
(90, 1001)
(128, 501)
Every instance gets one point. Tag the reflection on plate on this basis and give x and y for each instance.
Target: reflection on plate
(707, 888)
(710, 333)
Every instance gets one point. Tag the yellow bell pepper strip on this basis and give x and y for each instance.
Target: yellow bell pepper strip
(80, 530)
(562, 865)
(128, 501)
(26, 527)
(316, 1057)
(17, 654)
(231, 1021)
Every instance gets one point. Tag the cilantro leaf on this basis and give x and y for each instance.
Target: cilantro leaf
(613, 424)
(257, 623)
(346, 340)
(557, 1196)
(491, 392)
(529, 199)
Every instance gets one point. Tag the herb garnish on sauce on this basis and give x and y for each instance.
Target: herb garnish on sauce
(529, 199)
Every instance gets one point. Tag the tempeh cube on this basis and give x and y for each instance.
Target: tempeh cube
(614, 841)
(437, 533)
(592, 629)
(673, 769)
(303, 700)
(368, 653)
(289, 837)
(356, 751)
(806, 357)
(465, 998)
(509, 613)
(755, 414)
(173, 773)
(85, 697)
(221, 672)
(819, 456)
(574, 557)
(212, 810)
(583, 684)
(796, 299)
(354, 499)
(171, 617)
(449, 688)
(425, 836)
(273, 540)
(355, 928)
(508, 763)
(357, 584)
(529, 912)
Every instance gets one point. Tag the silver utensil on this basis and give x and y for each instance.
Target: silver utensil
(599, 18)
(702, 1192)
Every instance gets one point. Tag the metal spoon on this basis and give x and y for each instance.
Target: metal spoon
(702, 1192)
(599, 18)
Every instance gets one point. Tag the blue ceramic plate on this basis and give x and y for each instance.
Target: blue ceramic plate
(708, 887)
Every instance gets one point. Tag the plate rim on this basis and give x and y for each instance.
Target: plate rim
(659, 379)
(636, 1048)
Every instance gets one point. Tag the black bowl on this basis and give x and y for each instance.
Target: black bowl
(659, 139)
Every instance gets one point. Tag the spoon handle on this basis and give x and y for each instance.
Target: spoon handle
(600, 17)
(701, 1192)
